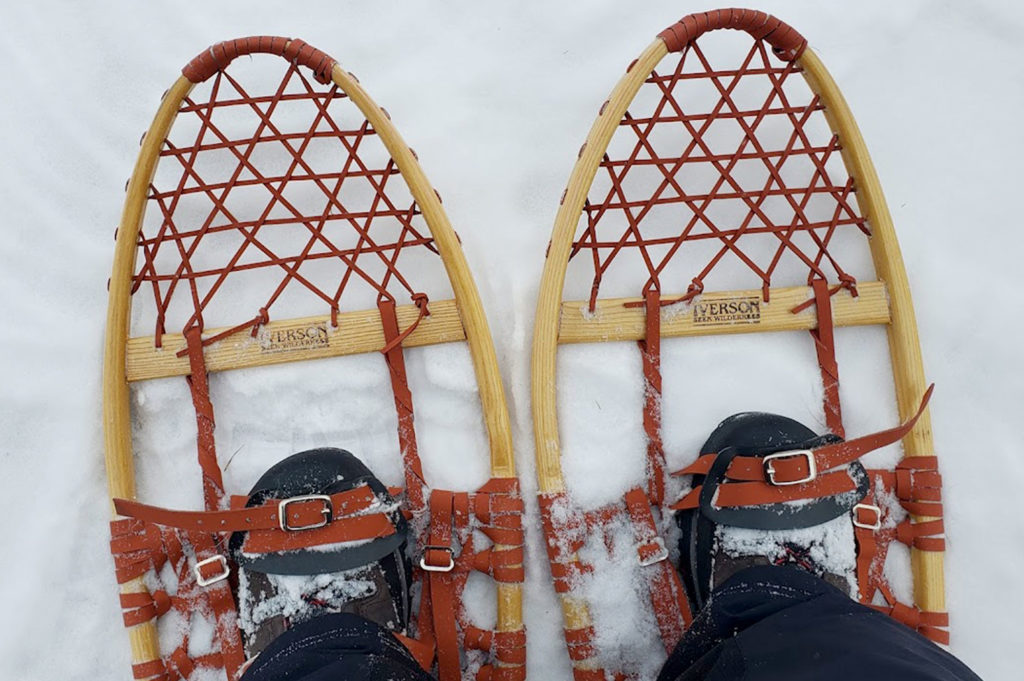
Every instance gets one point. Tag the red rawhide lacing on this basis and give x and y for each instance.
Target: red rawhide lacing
(735, 168)
(307, 198)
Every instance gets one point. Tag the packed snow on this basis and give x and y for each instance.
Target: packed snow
(496, 100)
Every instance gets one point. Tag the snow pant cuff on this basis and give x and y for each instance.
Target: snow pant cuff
(335, 647)
(776, 623)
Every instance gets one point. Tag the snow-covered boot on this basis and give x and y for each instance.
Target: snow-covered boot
(719, 539)
(316, 566)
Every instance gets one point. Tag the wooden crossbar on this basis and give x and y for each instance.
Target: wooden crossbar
(721, 312)
(294, 340)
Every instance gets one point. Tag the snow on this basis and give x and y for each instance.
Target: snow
(496, 100)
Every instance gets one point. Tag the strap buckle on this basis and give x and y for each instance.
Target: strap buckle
(812, 467)
(207, 581)
(282, 512)
(660, 555)
(437, 568)
(874, 525)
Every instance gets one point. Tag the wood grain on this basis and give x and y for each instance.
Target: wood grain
(904, 345)
(293, 340)
(623, 319)
(116, 403)
(545, 331)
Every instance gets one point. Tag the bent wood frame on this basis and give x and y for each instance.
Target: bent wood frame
(127, 359)
(884, 302)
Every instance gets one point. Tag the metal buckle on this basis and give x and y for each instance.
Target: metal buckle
(812, 467)
(207, 581)
(661, 555)
(876, 525)
(438, 568)
(282, 512)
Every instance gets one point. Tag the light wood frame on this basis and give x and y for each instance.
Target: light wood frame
(560, 322)
(463, 318)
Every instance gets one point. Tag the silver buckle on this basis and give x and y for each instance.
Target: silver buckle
(207, 581)
(661, 555)
(868, 526)
(282, 512)
(812, 466)
(438, 568)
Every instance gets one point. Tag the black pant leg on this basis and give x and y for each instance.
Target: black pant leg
(336, 647)
(771, 623)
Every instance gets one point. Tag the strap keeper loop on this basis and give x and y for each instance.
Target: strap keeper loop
(224, 570)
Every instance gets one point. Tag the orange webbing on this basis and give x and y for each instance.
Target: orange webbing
(825, 347)
(449, 555)
(342, 517)
(199, 386)
(218, 56)
(668, 598)
(716, 179)
(650, 353)
(145, 542)
(139, 548)
(414, 483)
(566, 530)
(783, 38)
(749, 483)
(917, 484)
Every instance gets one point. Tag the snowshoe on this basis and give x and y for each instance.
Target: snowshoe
(723, 192)
(276, 217)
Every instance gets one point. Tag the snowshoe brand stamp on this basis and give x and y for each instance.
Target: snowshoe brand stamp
(740, 310)
(303, 338)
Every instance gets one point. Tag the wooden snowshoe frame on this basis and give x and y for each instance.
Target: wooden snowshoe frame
(886, 301)
(418, 323)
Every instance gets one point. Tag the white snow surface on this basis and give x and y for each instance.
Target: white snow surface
(496, 99)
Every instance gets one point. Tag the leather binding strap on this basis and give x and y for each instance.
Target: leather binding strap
(438, 563)
(199, 386)
(794, 477)
(916, 484)
(395, 359)
(449, 555)
(825, 348)
(307, 521)
(650, 353)
(668, 598)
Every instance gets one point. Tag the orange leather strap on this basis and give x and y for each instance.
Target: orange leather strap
(825, 347)
(918, 485)
(787, 470)
(198, 382)
(300, 513)
(566, 533)
(650, 353)
(671, 607)
(141, 606)
(395, 359)
(929, 624)
(439, 562)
